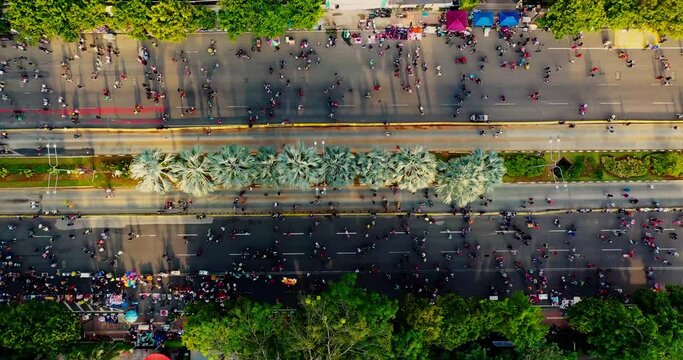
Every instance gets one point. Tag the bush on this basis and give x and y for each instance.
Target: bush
(625, 167)
(666, 164)
(27, 172)
(3, 172)
(524, 165)
(576, 170)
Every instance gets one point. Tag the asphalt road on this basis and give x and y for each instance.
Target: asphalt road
(397, 252)
(435, 138)
(630, 93)
(505, 197)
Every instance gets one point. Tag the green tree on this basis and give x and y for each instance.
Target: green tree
(233, 167)
(5, 27)
(463, 179)
(243, 328)
(569, 17)
(623, 14)
(192, 169)
(615, 331)
(373, 168)
(36, 327)
(267, 17)
(153, 168)
(131, 16)
(339, 167)
(266, 164)
(345, 322)
(65, 18)
(515, 319)
(675, 293)
(413, 168)
(546, 351)
(299, 166)
(172, 20)
(662, 17)
(468, 4)
(525, 165)
(657, 306)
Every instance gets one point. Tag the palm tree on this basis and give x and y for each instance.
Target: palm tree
(413, 169)
(193, 170)
(152, 168)
(233, 167)
(266, 173)
(373, 168)
(299, 166)
(462, 180)
(339, 167)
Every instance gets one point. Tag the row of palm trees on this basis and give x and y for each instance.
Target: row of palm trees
(459, 180)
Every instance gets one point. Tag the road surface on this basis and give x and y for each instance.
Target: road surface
(630, 93)
(551, 137)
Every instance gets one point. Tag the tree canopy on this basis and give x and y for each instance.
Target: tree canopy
(172, 20)
(345, 322)
(243, 328)
(267, 17)
(569, 17)
(67, 19)
(36, 327)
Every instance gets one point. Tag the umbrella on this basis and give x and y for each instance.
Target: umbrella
(482, 18)
(456, 20)
(131, 316)
(508, 18)
(157, 357)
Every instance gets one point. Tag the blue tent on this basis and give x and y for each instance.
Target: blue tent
(508, 18)
(482, 18)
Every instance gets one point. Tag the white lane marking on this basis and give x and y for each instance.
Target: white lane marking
(403, 232)
(612, 249)
(152, 235)
(346, 233)
(346, 253)
(557, 230)
(450, 232)
(292, 233)
(42, 236)
(662, 103)
(503, 232)
(611, 103)
(668, 249)
(188, 235)
(347, 105)
(398, 104)
(558, 103)
(451, 104)
(669, 229)
(399, 252)
(448, 251)
(287, 254)
(504, 104)
(234, 254)
(501, 251)
(243, 234)
(186, 255)
(237, 106)
(192, 51)
(559, 250)
(611, 230)
(609, 84)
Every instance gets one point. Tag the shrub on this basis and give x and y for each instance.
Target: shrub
(624, 167)
(576, 170)
(27, 172)
(669, 164)
(3, 172)
(524, 165)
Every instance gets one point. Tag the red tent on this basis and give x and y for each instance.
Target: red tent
(456, 20)
(157, 357)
